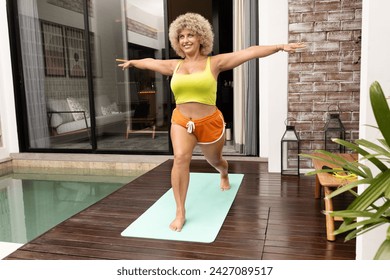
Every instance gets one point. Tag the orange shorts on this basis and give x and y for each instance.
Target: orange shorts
(207, 130)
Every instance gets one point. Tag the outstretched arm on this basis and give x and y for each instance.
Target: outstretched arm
(164, 67)
(231, 60)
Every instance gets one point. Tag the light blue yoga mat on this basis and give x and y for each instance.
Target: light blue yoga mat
(206, 210)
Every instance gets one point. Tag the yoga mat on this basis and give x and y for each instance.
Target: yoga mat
(206, 210)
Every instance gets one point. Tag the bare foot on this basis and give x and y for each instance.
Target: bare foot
(225, 185)
(177, 224)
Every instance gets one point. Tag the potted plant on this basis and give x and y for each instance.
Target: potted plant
(370, 208)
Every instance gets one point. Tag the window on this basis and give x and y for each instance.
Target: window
(75, 95)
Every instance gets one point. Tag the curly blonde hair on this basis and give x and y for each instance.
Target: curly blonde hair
(197, 24)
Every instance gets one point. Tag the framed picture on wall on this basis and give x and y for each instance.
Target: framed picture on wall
(75, 44)
(53, 49)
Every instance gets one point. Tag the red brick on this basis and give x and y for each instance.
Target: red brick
(318, 97)
(340, 76)
(351, 25)
(334, 56)
(349, 86)
(314, 56)
(327, 26)
(349, 106)
(322, 107)
(300, 106)
(294, 18)
(294, 7)
(304, 126)
(326, 86)
(351, 4)
(350, 46)
(352, 66)
(326, 5)
(313, 77)
(313, 37)
(309, 116)
(301, 67)
(340, 36)
(312, 17)
(337, 96)
(358, 14)
(326, 46)
(326, 66)
(341, 15)
(294, 97)
(301, 27)
(300, 87)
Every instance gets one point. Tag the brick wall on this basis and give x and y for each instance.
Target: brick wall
(327, 73)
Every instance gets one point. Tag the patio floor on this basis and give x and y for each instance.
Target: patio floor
(272, 218)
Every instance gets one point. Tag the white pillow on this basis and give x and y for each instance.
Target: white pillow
(75, 105)
(110, 109)
(55, 105)
(56, 120)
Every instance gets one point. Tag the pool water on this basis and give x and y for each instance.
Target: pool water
(31, 204)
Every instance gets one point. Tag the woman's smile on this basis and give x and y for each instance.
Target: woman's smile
(188, 40)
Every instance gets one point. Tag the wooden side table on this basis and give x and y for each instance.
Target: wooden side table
(329, 183)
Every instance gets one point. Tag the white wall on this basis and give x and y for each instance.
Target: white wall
(273, 83)
(153, 21)
(7, 105)
(375, 67)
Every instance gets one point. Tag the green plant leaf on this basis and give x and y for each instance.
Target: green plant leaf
(384, 144)
(349, 187)
(383, 252)
(352, 214)
(381, 110)
(382, 209)
(362, 152)
(337, 160)
(362, 230)
(372, 193)
(359, 226)
(368, 144)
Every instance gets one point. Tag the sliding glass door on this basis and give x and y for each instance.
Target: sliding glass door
(73, 94)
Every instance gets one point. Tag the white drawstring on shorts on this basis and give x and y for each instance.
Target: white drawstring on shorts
(190, 126)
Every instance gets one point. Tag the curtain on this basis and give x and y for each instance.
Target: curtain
(33, 73)
(245, 79)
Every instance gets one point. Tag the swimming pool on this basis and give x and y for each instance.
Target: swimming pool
(31, 204)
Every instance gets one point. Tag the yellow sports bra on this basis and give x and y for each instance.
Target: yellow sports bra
(198, 87)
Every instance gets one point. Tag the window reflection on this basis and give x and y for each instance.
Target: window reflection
(76, 96)
(146, 99)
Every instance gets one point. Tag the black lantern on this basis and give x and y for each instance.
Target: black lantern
(289, 146)
(334, 128)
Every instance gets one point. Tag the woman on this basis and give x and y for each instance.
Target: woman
(196, 119)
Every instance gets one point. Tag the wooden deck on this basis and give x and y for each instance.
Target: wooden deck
(272, 218)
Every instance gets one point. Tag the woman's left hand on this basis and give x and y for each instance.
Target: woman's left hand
(292, 47)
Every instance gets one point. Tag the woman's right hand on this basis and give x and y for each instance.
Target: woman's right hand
(125, 63)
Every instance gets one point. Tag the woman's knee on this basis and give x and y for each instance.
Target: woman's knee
(182, 158)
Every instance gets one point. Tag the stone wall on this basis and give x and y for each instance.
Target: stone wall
(327, 73)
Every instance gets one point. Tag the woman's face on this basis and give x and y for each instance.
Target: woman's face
(189, 41)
